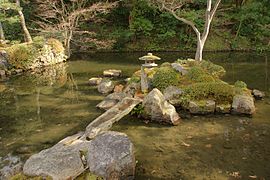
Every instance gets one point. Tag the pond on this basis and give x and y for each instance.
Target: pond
(36, 111)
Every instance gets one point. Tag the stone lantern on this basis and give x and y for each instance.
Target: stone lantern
(149, 62)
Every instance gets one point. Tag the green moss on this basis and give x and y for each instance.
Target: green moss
(218, 91)
(134, 79)
(240, 84)
(187, 62)
(39, 41)
(165, 64)
(21, 56)
(197, 74)
(165, 77)
(212, 69)
(21, 176)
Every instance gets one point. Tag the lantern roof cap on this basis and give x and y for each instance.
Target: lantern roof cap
(149, 57)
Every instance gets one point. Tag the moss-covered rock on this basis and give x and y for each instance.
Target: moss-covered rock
(37, 54)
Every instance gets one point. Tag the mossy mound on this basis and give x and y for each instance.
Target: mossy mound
(165, 77)
(31, 55)
(199, 81)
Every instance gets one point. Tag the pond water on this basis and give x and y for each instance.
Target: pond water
(36, 111)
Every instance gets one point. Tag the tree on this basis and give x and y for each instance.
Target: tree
(174, 6)
(27, 35)
(64, 17)
(7, 5)
(2, 34)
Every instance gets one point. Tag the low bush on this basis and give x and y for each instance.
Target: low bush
(56, 45)
(240, 84)
(39, 41)
(197, 74)
(213, 69)
(165, 77)
(21, 56)
(218, 91)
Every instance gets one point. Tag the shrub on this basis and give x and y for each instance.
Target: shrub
(213, 69)
(165, 64)
(134, 79)
(240, 84)
(39, 41)
(219, 91)
(22, 55)
(197, 74)
(137, 111)
(165, 77)
(56, 45)
(187, 62)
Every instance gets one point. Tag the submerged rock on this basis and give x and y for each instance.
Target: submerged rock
(62, 161)
(158, 109)
(106, 86)
(111, 156)
(258, 94)
(172, 94)
(9, 166)
(243, 104)
(94, 81)
(201, 107)
(112, 73)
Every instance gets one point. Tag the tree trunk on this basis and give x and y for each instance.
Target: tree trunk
(27, 35)
(2, 35)
(199, 51)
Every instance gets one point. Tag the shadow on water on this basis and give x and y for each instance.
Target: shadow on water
(37, 110)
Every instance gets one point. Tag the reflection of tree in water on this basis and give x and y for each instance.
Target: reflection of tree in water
(40, 81)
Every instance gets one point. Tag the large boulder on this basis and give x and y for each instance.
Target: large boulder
(112, 73)
(243, 104)
(106, 86)
(201, 107)
(63, 161)
(158, 109)
(111, 100)
(172, 94)
(111, 156)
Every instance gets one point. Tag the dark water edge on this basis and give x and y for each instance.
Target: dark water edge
(36, 111)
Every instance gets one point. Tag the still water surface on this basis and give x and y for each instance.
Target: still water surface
(38, 111)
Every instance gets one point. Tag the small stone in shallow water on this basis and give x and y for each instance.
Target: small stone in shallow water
(94, 81)
(112, 73)
(258, 94)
